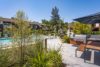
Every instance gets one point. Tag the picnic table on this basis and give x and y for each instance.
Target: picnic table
(94, 45)
(91, 43)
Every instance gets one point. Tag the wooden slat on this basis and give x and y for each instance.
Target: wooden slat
(90, 45)
(93, 45)
(81, 47)
(75, 42)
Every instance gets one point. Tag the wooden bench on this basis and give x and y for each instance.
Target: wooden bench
(90, 45)
(75, 43)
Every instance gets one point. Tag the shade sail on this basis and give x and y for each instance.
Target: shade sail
(90, 19)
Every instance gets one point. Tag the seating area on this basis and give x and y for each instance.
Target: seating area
(69, 58)
(85, 43)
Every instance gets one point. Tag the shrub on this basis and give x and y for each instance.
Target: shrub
(39, 57)
(96, 33)
(49, 59)
(65, 38)
(4, 62)
(55, 57)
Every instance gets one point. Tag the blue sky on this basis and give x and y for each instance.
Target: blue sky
(37, 10)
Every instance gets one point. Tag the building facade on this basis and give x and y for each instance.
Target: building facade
(6, 23)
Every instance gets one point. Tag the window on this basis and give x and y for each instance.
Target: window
(97, 25)
(1, 22)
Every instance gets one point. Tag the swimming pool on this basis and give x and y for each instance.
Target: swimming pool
(5, 41)
(8, 41)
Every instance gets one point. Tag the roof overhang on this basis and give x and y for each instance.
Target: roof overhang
(90, 19)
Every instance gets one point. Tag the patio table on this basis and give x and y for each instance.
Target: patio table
(94, 46)
(93, 39)
(94, 20)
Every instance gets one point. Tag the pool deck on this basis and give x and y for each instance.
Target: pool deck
(68, 57)
(68, 54)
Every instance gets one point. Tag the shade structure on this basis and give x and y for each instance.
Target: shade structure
(90, 19)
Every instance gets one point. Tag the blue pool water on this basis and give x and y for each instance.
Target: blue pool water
(7, 41)
(4, 41)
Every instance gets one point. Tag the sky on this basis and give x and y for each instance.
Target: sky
(36, 10)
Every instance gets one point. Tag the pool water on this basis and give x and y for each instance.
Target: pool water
(4, 41)
(7, 41)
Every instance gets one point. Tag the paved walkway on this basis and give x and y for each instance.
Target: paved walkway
(68, 57)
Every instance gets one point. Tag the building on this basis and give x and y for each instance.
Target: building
(7, 23)
(36, 25)
(93, 19)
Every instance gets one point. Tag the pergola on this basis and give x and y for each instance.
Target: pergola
(94, 20)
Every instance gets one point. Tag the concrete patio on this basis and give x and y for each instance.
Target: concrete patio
(68, 54)
(68, 57)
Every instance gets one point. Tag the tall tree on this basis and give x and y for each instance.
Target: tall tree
(55, 16)
(45, 22)
(55, 19)
(21, 34)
